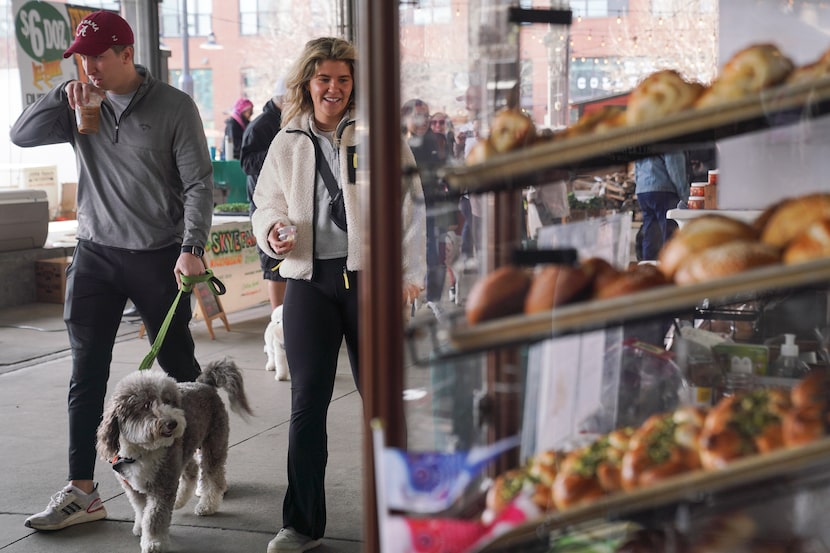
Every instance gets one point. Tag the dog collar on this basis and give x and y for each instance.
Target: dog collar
(118, 460)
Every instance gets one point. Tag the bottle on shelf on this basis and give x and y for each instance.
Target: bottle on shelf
(228, 148)
(788, 364)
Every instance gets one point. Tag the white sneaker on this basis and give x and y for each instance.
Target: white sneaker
(68, 507)
(289, 540)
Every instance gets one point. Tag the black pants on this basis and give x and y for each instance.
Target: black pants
(436, 259)
(317, 316)
(99, 281)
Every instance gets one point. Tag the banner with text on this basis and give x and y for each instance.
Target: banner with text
(232, 255)
(44, 30)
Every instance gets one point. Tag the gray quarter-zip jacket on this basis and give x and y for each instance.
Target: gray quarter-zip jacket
(145, 181)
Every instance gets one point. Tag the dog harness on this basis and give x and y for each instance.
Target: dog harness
(118, 460)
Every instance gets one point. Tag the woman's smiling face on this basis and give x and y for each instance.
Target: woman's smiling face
(330, 89)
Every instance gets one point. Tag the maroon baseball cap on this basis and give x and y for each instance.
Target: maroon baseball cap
(98, 32)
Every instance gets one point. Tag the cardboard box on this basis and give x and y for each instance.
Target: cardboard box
(69, 202)
(50, 279)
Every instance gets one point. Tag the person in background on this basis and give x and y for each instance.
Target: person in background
(429, 156)
(255, 143)
(235, 126)
(661, 183)
(321, 262)
(440, 125)
(145, 202)
(469, 206)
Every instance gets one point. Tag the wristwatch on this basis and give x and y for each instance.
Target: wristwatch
(195, 250)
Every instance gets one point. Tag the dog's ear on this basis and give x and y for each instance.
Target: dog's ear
(108, 433)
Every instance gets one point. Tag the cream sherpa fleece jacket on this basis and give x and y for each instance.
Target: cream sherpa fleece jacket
(285, 193)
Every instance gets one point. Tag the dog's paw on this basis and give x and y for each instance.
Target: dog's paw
(282, 375)
(137, 528)
(153, 546)
(270, 365)
(206, 508)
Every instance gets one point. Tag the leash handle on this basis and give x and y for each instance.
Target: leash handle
(188, 282)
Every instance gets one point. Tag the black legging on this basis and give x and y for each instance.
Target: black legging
(99, 280)
(317, 316)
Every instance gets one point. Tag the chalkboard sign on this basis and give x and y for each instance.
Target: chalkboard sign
(210, 307)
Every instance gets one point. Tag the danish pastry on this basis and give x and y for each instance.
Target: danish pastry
(660, 94)
(511, 129)
(742, 425)
(808, 419)
(663, 446)
(591, 471)
(819, 69)
(748, 72)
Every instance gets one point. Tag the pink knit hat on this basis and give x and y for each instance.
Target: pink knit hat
(241, 105)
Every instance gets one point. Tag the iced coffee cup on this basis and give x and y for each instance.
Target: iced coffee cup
(88, 115)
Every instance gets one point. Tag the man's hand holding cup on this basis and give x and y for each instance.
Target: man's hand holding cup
(86, 100)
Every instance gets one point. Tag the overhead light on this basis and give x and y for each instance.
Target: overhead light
(210, 43)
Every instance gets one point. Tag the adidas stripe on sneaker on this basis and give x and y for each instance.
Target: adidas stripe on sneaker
(68, 507)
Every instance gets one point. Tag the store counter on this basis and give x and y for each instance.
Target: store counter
(683, 216)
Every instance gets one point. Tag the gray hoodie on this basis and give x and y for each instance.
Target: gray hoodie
(145, 181)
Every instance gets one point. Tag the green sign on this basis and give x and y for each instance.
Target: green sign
(42, 31)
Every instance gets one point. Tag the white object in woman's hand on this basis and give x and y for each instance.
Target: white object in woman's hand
(281, 238)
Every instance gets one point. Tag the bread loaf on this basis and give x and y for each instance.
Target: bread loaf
(813, 243)
(791, 217)
(600, 272)
(699, 234)
(642, 277)
(555, 285)
(661, 93)
(498, 294)
(724, 260)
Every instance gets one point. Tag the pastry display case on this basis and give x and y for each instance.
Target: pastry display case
(647, 419)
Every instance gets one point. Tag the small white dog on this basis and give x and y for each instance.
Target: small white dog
(151, 431)
(275, 346)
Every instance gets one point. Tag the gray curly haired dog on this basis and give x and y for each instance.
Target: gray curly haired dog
(151, 431)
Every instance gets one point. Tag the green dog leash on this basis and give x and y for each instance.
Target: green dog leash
(188, 282)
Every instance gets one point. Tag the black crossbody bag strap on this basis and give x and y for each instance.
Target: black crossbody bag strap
(325, 170)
